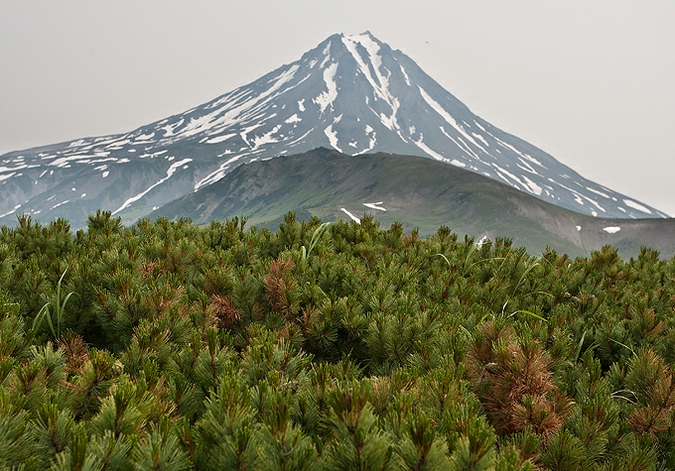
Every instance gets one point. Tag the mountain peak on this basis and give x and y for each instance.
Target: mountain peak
(351, 93)
(367, 35)
(363, 38)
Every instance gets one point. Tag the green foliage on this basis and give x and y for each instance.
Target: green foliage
(344, 346)
(358, 442)
(15, 436)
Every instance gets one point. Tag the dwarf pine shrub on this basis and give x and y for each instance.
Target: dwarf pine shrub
(327, 346)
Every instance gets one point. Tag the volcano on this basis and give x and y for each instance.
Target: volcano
(354, 94)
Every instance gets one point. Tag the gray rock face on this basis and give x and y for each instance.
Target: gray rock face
(352, 93)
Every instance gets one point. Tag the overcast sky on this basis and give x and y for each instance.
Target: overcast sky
(592, 82)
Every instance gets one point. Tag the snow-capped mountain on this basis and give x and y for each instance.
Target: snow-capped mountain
(352, 93)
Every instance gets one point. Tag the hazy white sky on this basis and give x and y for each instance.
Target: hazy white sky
(592, 82)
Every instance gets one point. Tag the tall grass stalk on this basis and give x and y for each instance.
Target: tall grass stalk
(316, 237)
(54, 319)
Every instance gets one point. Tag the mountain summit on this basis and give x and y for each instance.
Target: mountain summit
(352, 93)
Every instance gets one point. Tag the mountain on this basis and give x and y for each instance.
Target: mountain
(351, 93)
(417, 192)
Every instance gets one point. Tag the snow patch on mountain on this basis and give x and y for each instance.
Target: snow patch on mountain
(637, 206)
(328, 97)
(219, 139)
(11, 211)
(7, 176)
(524, 165)
(266, 138)
(145, 137)
(377, 206)
(532, 186)
(351, 215)
(405, 76)
(169, 173)
(59, 204)
(169, 128)
(420, 143)
(219, 173)
(332, 137)
(598, 192)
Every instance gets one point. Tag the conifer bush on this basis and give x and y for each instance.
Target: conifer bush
(328, 346)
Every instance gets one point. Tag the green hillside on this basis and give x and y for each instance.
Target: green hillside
(418, 192)
(339, 346)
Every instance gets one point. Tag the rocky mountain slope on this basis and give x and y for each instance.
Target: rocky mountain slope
(351, 93)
